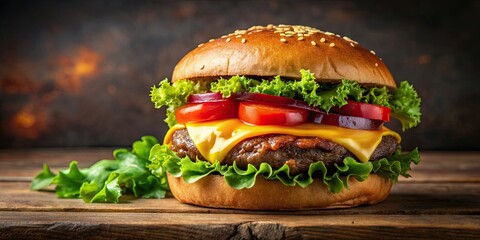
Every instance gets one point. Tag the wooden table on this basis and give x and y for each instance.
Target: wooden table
(442, 200)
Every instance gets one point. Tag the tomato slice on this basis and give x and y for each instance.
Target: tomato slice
(273, 100)
(347, 121)
(364, 110)
(207, 111)
(262, 114)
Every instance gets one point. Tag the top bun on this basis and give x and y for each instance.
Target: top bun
(283, 50)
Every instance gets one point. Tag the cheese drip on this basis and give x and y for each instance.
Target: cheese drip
(216, 138)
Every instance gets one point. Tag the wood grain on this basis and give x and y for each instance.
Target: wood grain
(23, 165)
(441, 201)
(406, 198)
(238, 226)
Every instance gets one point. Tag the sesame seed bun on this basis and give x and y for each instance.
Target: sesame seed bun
(273, 195)
(283, 50)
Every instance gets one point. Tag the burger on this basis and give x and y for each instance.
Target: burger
(282, 117)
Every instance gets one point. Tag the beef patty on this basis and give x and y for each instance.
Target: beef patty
(276, 149)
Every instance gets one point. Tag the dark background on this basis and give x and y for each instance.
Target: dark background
(78, 73)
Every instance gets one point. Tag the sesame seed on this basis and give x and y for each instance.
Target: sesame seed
(296, 31)
(351, 44)
(203, 66)
(376, 64)
(201, 44)
(211, 40)
(371, 51)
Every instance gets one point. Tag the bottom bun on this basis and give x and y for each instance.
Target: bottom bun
(213, 191)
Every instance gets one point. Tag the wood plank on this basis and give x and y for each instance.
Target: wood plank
(54, 156)
(442, 201)
(240, 226)
(446, 167)
(406, 198)
(22, 165)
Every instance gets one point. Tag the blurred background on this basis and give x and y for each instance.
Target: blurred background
(78, 73)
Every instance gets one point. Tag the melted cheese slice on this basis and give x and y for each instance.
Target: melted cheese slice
(216, 138)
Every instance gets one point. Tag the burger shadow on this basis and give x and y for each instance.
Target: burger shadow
(399, 202)
(395, 204)
(411, 204)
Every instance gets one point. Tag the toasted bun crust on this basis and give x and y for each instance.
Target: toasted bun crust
(213, 191)
(283, 50)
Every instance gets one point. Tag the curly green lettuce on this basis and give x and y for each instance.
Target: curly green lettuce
(163, 161)
(404, 102)
(108, 180)
(174, 96)
(232, 85)
(143, 173)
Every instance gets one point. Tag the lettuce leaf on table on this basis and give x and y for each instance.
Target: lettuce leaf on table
(143, 173)
(108, 180)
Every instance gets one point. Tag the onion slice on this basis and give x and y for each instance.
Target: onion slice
(205, 97)
(274, 100)
(346, 121)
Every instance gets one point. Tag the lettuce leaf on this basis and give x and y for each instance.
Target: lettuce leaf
(379, 96)
(163, 160)
(173, 96)
(398, 164)
(276, 87)
(108, 180)
(404, 102)
(143, 172)
(405, 105)
(232, 85)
